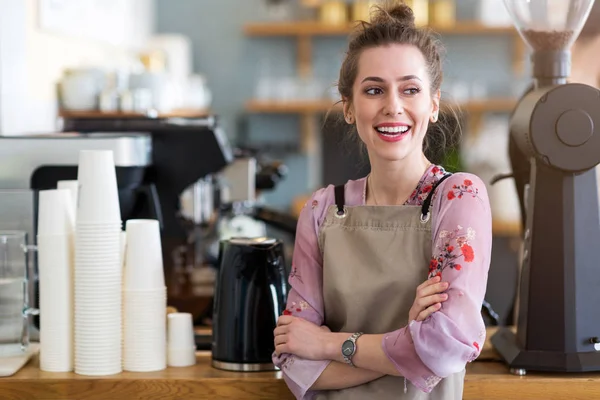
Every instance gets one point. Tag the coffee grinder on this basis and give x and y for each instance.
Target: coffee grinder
(556, 128)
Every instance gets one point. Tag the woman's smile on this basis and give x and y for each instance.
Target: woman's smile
(392, 132)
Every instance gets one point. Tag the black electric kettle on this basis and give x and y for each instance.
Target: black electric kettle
(250, 294)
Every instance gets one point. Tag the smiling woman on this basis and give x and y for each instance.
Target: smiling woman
(389, 271)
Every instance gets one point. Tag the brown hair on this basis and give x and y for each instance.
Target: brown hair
(391, 23)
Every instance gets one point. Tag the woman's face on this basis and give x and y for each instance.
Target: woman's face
(392, 103)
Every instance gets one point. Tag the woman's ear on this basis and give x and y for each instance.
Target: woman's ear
(435, 105)
(348, 111)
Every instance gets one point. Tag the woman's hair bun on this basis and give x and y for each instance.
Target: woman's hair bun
(394, 12)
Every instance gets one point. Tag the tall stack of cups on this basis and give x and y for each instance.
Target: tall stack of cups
(144, 299)
(73, 188)
(55, 231)
(98, 267)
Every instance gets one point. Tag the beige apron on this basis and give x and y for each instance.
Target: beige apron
(374, 257)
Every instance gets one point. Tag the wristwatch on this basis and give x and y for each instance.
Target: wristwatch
(349, 348)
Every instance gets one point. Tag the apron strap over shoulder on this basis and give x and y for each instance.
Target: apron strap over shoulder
(340, 199)
(427, 203)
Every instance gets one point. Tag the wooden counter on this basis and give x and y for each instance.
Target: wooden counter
(485, 380)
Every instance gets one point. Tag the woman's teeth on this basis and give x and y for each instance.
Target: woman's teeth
(392, 130)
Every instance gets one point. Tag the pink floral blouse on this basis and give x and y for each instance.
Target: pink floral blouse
(423, 352)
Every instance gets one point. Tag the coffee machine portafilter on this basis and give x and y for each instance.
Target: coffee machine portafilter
(555, 145)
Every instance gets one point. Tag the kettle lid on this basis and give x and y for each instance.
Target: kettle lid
(244, 241)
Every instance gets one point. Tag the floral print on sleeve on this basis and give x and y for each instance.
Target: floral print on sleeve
(425, 185)
(462, 189)
(453, 249)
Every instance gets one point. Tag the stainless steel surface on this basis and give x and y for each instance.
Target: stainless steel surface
(252, 241)
(518, 371)
(197, 201)
(240, 180)
(244, 367)
(20, 156)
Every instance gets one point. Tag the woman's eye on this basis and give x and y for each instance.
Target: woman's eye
(373, 91)
(412, 91)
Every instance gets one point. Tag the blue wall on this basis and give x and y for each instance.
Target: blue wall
(231, 62)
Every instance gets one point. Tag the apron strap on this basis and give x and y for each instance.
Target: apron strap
(427, 203)
(340, 201)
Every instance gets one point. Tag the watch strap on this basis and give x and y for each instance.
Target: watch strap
(353, 338)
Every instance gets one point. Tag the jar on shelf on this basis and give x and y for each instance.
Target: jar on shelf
(442, 13)
(361, 10)
(333, 12)
(421, 10)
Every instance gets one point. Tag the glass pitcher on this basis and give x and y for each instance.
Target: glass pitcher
(14, 293)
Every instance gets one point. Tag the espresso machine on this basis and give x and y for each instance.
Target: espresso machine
(555, 147)
(207, 189)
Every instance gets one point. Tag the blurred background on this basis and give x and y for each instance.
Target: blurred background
(267, 70)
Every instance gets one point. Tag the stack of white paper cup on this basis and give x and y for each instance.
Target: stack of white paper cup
(98, 267)
(144, 299)
(55, 268)
(73, 188)
(181, 347)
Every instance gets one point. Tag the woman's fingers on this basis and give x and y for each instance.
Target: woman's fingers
(425, 302)
(429, 282)
(280, 339)
(284, 320)
(428, 311)
(281, 349)
(432, 289)
(281, 330)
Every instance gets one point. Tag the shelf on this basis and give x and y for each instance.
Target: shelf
(93, 114)
(322, 106)
(489, 105)
(506, 228)
(315, 28)
(291, 107)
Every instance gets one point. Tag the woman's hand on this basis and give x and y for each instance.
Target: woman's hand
(300, 337)
(428, 300)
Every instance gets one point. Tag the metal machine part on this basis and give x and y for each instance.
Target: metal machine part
(21, 156)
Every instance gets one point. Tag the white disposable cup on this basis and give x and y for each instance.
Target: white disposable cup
(122, 248)
(56, 348)
(73, 188)
(91, 369)
(181, 357)
(101, 228)
(143, 256)
(145, 338)
(98, 198)
(180, 330)
(55, 215)
(55, 269)
(181, 347)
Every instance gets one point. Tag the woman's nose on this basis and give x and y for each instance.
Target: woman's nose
(393, 105)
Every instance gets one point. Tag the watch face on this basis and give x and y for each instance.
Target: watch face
(347, 348)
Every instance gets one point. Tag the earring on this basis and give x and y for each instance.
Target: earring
(349, 119)
(433, 118)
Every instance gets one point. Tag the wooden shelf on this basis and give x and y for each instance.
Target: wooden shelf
(290, 107)
(318, 106)
(489, 105)
(504, 228)
(315, 28)
(93, 114)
